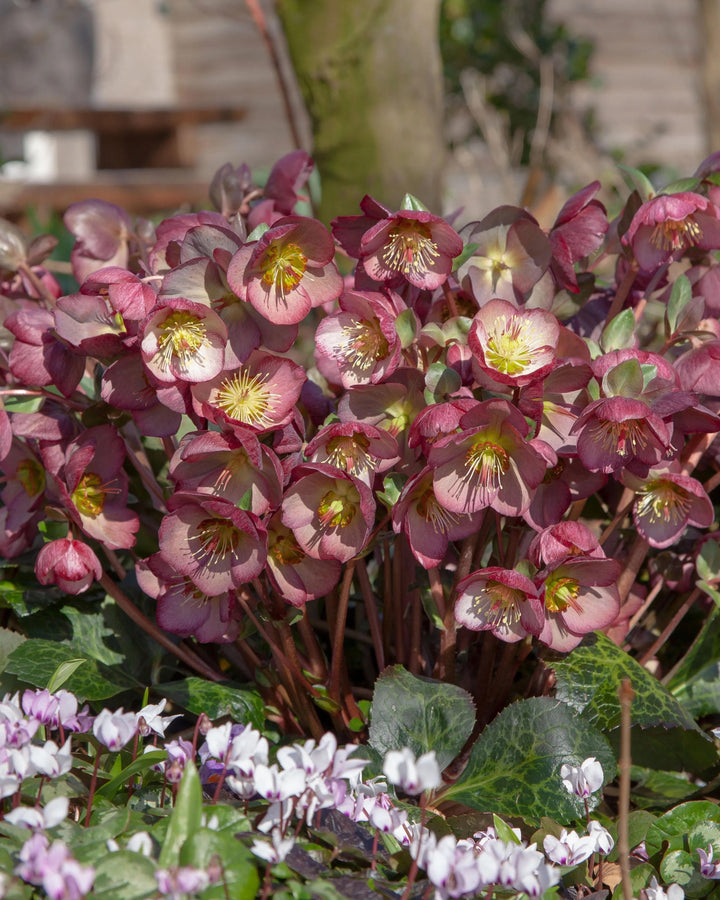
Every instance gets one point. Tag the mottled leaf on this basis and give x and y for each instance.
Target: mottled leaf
(664, 733)
(217, 700)
(9, 641)
(670, 832)
(514, 766)
(124, 875)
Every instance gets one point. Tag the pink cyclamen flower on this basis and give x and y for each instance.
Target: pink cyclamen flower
(288, 271)
(329, 512)
(70, 564)
(115, 729)
(708, 868)
(513, 346)
(502, 601)
(666, 226)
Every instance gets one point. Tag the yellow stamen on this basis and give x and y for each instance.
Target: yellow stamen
(410, 249)
(663, 501)
(217, 539)
(284, 548)
(350, 453)
(430, 509)
(673, 234)
(283, 267)
(560, 593)
(338, 510)
(181, 335)
(89, 495)
(498, 605)
(363, 343)
(247, 399)
(488, 461)
(511, 345)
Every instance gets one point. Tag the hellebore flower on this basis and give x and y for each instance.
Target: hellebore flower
(329, 512)
(511, 256)
(69, 564)
(38, 357)
(261, 394)
(579, 229)
(513, 346)
(212, 542)
(288, 271)
(669, 224)
(502, 601)
(489, 463)
(296, 576)
(102, 231)
(408, 245)
(359, 449)
(183, 341)
(359, 343)
(428, 526)
(666, 502)
(580, 595)
(562, 541)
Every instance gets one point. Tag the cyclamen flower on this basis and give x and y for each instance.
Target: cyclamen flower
(288, 271)
(502, 601)
(54, 812)
(602, 838)
(513, 346)
(151, 722)
(584, 779)
(179, 881)
(569, 849)
(666, 226)
(655, 892)
(708, 868)
(413, 776)
(115, 729)
(276, 851)
(53, 867)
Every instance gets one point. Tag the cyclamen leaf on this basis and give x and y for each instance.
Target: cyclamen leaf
(664, 733)
(217, 700)
(670, 831)
(421, 714)
(124, 875)
(514, 766)
(186, 816)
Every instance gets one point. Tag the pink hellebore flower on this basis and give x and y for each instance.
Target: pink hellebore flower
(666, 502)
(102, 231)
(513, 346)
(183, 341)
(288, 271)
(669, 224)
(580, 595)
(359, 343)
(579, 229)
(69, 564)
(38, 357)
(502, 601)
(212, 542)
(409, 245)
(297, 576)
(329, 512)
(489, 463)
(359, 449)
(260, 395)
(561, 541)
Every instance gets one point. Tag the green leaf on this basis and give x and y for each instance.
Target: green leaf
(696, 681)
(619, 333)
(26, 602)
(241, 876)
(624, 380)
(90, 631)
(63, 672)
(393, 484)
(9, 641)
(680, 296)
(186, 816)
(441, 382)
(124, 875)
(681, 867)
(409, 201)
(467, 251)
(257, 232)
(504, 832)
(664, 733)
(421, 714)
(638, 180)
(681, 185)
(675, 826)
(707, 563)
(142, 764)
(514, 766)
(217, 699)
(36, 661)
(406, 327)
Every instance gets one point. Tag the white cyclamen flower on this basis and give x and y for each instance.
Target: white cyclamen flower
(274, 852)
(655, 892)
(409, 774)
(39, 819)
(150, 720)
(569, 849)
(582, 780)
(602, 837)
(115, 729)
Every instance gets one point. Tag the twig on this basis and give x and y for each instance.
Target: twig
(184, 654)
(625, 695)
(371, 611)
(338, 655)
(621, 293)
(670, 627)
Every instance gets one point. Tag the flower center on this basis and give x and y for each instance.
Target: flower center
(561, 592)
(410, 249)
(510, 346)
(247, 399)
(363, 343)
(349, 452)
(488, 461)
(626, 438)
(674, 234)
(89, 495)
(283, 267)
(338, 510)
(284, 549)
(498, 604)
(218, 539)
(31, 476)
(181, 335)
(663, 501)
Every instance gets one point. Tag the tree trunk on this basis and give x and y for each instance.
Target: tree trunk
(371, 76)
(709, 21)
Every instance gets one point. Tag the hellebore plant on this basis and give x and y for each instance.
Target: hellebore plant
(304, 457)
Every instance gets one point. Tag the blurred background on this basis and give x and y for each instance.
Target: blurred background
(466, 103)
